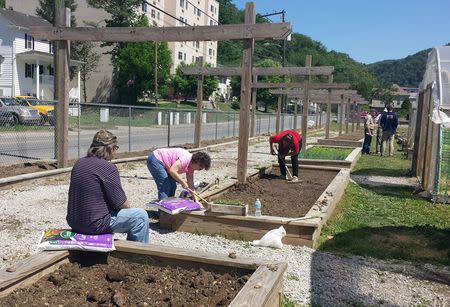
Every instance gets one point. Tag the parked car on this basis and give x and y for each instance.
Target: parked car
(21, 114)
(50, 117)
(42, 106)
(6, 119)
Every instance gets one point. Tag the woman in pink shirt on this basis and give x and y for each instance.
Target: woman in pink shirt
(167, 164)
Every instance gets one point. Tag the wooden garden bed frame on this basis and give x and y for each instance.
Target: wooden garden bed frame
(299, 231)
(340, 143)
(269, 275)
(349, 162)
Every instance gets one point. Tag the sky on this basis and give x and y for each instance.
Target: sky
(367, 30)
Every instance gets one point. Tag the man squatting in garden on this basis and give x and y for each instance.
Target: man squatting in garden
(97, 203)
(289, 144)
(369, 126)
(167, 164)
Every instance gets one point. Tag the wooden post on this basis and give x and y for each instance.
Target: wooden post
(156, 73)
(353, 116)
(277, 124)
(295, 110)
(253, 112)
(327, 125)
(320, 117)
(358, 116)
(198, 114)
(341, 115)
(246, 80)
(317, 115)
(347, 115)
(62, 56)
(308, 62)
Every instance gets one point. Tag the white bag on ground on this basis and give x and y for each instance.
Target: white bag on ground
(272, 238)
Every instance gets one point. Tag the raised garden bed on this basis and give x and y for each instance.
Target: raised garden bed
(336, 156)
(346, 140)
(302, 208)
(142, 275)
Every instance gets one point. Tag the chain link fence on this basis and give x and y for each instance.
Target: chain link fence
(138, 128)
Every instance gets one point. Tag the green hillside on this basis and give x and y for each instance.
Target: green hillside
(346, 69)
(405, 72)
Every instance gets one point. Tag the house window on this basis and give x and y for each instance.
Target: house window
(210, 51)
(153, 14)
(211, 23)
(199, 13)
(51, 70)
(51, 47)
(157, 15)
(182, 3)
(144, 7)
(29, 70)
(193, 59)
(197, 44)
(41, 69)
(180, 55)
(212, 8)
(2, 59)
(29, 42)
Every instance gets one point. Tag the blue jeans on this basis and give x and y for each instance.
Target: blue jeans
(367, 143)
(166, 185)
(133, 221)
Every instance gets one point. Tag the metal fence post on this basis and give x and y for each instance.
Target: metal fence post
(78, 129)
(216, 123)
(129, 129)
(168, 129)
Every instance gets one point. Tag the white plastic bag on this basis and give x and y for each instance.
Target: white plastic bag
(272, 238)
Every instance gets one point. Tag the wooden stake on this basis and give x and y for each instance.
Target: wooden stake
(327, 125)
(62, 56)
(198, 114)
(347, 117)
(341, 115)
(277, 125)
(253, 112)
(306, 104)
(246, 82)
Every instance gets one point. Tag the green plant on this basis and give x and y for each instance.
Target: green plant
(325, 153)
(226, 201)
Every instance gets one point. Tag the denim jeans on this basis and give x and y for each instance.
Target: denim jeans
(366, 144)
(133, 221)
(282, 163)
(387, 138)
(164, 182)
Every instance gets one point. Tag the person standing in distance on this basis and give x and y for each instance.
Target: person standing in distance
(389, 124)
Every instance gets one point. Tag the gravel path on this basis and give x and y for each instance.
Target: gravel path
(313, 277)
(377, 181)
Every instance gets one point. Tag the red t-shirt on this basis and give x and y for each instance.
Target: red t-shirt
(297, 138)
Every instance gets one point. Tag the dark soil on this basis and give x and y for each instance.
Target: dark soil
(121, 282)
(39, 166)
(351, 136)
(281, 198)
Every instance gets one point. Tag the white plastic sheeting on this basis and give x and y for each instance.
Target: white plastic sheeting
(438, 73)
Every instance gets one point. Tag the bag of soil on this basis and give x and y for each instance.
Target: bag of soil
(65, 239)
(175, 205)
(272, 238)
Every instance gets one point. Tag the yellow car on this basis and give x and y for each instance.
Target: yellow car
(42, 106)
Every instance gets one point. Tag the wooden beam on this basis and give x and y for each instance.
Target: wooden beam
(295, 114)
(62, 87)
(327, 125)
(316, 85)
(347, 117)
(198, 114)
(308, 63)
(246, 81)
(341, 117)
(260, 71)
(258, 31)
(318, 93)
(253, 112)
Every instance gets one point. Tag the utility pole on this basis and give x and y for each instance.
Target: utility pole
(156, 74)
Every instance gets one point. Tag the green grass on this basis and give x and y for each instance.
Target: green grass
(23, 128)
(226, 201)
(325, 153)
(388, 223)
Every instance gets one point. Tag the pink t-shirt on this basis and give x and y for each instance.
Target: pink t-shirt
(168, 156)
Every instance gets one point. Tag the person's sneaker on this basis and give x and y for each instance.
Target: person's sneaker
(294, 179)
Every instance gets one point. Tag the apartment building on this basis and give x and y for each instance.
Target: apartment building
(191, 12)
(188, 12)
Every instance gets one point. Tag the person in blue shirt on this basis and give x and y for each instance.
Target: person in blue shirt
(389, 124)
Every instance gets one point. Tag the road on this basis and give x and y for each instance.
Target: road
(28, 146)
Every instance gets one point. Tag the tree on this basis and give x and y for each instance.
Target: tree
(123, 12)
(263, 95)
(187, 85)
(46, 10)
(84, 52)
(134, 67)
(2, 3)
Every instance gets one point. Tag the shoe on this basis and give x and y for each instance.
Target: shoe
(294, 179)
(283, 177)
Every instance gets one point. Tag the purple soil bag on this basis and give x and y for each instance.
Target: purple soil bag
(64, 239)
(176, 205)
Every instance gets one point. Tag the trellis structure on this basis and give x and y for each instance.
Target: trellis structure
(201, 71)
(431, 148)
(248, 32)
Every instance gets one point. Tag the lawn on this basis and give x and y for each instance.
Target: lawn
(389, 223)
(325, 153)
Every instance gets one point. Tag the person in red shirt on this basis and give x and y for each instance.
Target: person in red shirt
(289, 144)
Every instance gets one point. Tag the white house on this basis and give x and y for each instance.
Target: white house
(26, 64)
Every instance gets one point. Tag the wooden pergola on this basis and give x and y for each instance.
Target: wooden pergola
(62, 33)
(201, 71)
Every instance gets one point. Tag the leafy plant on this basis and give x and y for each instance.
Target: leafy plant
(325, 153)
